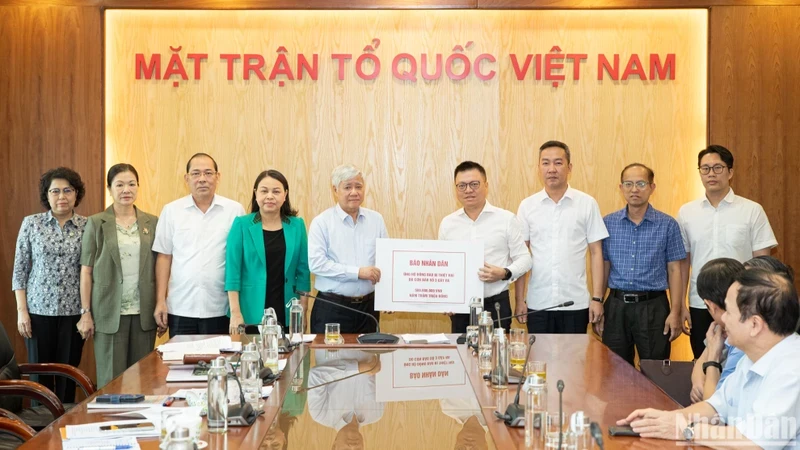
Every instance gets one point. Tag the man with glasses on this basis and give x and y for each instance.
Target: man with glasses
(559, 223)
(505, 256)
(719, 225)
(191, 238)
(642, 260)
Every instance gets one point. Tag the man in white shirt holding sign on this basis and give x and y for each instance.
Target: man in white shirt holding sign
(505, 255)
(559, 223)
(719, 225)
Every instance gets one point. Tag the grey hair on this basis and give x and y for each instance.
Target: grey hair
(344, 173)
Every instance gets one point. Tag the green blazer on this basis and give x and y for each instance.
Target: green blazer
(246, 264)
(101, 252)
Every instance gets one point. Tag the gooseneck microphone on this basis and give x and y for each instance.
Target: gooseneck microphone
(515, 413)
(560, 387)
(497, 310)
(597, 434)
(533, 311)
(370, 338)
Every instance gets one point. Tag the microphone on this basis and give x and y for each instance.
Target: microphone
(243, 414)
(561, 305)
(597, 434)
(560, 387)
(370, 338)
(497, 310)
(515, 414)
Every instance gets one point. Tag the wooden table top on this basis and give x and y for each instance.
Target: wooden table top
(597, 382)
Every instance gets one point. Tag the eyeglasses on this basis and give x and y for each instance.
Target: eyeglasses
(197, 174)
(67, 191)
(474, 185)
(630, 184)
(717, 168)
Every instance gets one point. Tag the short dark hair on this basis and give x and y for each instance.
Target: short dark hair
(724, 154)
(772, 264)
(286, 208)
(771, 296)
(651, 176)
(469, 165)
(197, 155)
(61, 173)
(559, 144)
(117, 169)
(716, 277)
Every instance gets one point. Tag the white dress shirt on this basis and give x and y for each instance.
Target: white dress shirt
(503, 243)
(338, 247)
(736, 228)
(762, 399)
(335, 404)
(559, 234)
(197, 243)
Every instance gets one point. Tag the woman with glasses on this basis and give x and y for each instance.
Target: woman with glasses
(118, 278)
(46, 277)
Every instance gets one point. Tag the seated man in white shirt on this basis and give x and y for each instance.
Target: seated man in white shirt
(759, 404)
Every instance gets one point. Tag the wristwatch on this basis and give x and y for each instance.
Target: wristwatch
(508, 274)
(708, 364)
(688, 432)
(597, 299)
(86, 310)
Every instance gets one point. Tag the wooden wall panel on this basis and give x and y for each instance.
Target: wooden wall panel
(755, 65)
(50, 115)
(406, 137)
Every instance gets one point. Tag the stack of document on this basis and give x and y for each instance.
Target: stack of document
(174, 351)
(128, 442)
(113, 429)
(188, 373)
(149, 400)
(426, 338)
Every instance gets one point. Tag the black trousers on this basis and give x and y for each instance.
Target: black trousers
(559, 322)
(56, 340)
(701, 320)
(193, 325)
(640, 324)
(459, 322)
(349, 322)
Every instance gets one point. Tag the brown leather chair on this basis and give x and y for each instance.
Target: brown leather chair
(13, 387)
(13, 432)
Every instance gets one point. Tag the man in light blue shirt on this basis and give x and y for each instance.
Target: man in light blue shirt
(341, 255)
(758, 406)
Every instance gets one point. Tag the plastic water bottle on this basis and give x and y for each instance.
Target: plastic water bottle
(270, 342)
(296, 321)
(499, 360)
(218, 396)
(485, 328)
(475, 310)
(251, 382)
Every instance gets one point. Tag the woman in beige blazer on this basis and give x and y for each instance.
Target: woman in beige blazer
(118, 278)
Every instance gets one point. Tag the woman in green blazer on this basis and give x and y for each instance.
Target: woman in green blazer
(267, 255)
(118, 294)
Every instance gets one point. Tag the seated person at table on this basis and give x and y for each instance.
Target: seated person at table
(758, 405)
(713, 282)
(341, 393)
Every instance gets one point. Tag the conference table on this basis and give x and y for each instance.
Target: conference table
(402, 396)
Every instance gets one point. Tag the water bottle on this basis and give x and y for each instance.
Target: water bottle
(499, 360)
(180, 439)
(218, 396)
(475, 310)
(270, 353)
(251, 382)
(535, 414)
(296, 321)
(485, 327)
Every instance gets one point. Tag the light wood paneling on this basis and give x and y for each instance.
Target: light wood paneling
(407, 137)
(50, 115)
(755, 65)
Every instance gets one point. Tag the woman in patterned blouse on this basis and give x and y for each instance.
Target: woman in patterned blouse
(118, 278)
(46, 277)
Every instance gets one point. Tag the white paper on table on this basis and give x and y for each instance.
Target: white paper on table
(266, 391)
(120, 442)
(154, 414)
(184, 373)
(427, 276)
(426, 338)
(92, 430)
(174, 351)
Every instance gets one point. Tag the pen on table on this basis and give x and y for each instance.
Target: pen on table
(168, 401)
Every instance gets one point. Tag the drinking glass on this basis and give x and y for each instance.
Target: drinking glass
(536, 372)
(518, 348)
(332, 334)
